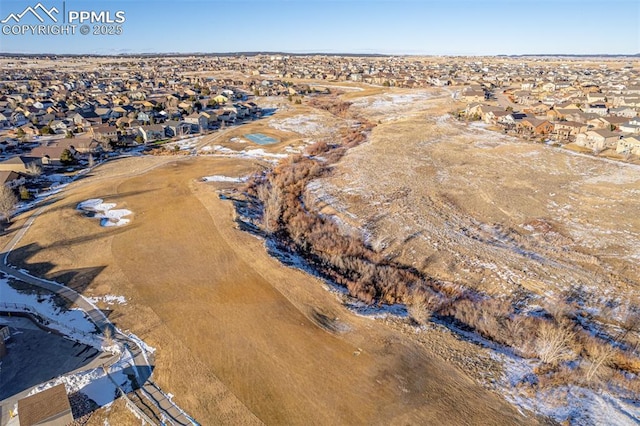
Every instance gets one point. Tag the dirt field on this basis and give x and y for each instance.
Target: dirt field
(240, 339)
(469, 205)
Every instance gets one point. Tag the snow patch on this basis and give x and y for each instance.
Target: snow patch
(97, 208)
(308, 124)
(73, 323)
(258, 153)
(109, 299)
(220, 178)
(99, 385)
(577, 405)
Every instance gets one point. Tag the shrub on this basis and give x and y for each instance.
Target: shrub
(554, 342)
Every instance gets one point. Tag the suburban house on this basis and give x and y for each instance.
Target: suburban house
(62, 126)
(534, 126)
(51, 155)
(600, 109)
(175, 128)
(598, 139)
(494, 117)
(227, 116)
(151, 132)
(487, 113)
(7, 143)
(105, 132)
(629, 145)
(568, 130)
(474, 109)
(103, 113)
(473, 95)
(198, 122)
(20, 164)
(613, 122)
(624, 112)
(4, 121)
(11, 179)
(631, 126)
(144, 117)
(596, 97)
(30, 130)
(82, 144)
(211, 116)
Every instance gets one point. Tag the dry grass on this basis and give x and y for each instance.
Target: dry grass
(458, 203)
(234, 329)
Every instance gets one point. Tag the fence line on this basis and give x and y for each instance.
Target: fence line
(44, 320)
(137, 411)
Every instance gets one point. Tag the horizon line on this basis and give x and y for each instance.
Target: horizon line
(312, 53)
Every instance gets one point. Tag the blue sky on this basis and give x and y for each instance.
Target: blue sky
(431, 27)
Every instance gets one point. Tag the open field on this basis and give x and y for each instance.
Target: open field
(240, 338)
(469, 205)
(549, 230)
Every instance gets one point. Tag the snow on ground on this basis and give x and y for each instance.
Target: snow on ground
(73, 323)
(382, 311)
(59, 178)
(258, 153)
(307, 124)
(292, 150)
(97, 208)
(186, 144)
(393, 106)
(220, 178)
(59, 182)
(95, 383)
(145, 348)
(109, 299)
(577, 405)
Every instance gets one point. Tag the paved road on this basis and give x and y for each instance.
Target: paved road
(142, 368)
(504, 101)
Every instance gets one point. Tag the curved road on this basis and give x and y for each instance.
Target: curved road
(171, 413)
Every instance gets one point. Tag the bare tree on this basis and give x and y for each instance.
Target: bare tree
(599, 355)
(423, 305)
(34, 170)
(553, 342)
(8, 201)
(272, 206)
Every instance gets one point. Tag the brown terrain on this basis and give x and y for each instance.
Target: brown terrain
(240, 338)
(469, 205)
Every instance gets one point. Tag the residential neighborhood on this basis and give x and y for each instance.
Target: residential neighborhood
(590, 108)
(64, 115)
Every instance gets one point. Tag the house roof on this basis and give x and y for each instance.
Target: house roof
(104, 128)
(52, 152)
(570, 124)
(153, 128)
(21, 159)
(605, 133)
(7, 176)
(535, 122)
(49, 405)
